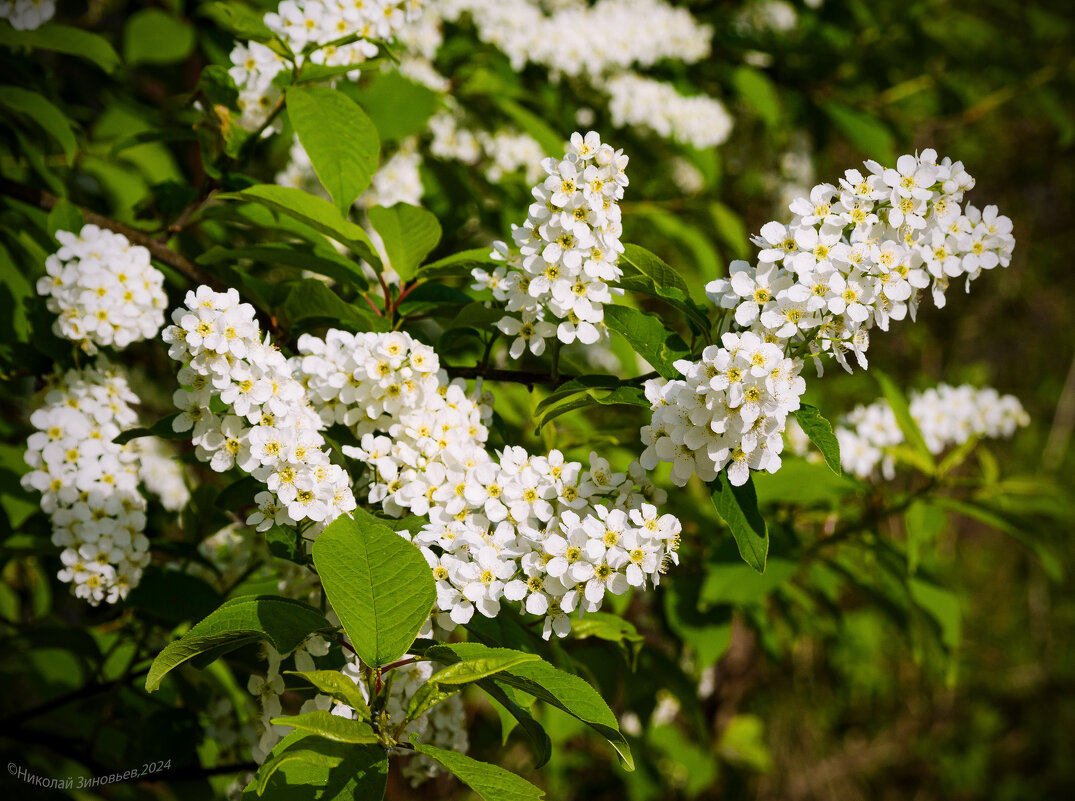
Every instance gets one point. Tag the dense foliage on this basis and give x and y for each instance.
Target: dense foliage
(549, 398)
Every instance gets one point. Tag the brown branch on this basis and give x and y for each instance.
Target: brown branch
(159, 251)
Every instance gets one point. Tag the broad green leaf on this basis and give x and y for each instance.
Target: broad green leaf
(285, 542)
(649, 338)
(153, 36)
(908, 426)
(398, 106)
(339, 686)
(863, 130)
(604, 626)
(409, 233)
(461, 263)
(731, 229)
(943, 606)
(42, 113)
(569, 693)
(647, 274)
(321, 769)
(820, 432)
(64, 39)
(738, 508)
(587, 391)
(428, 696)
(490, 782)
(505, 699)
(922, 522)
(239, 494)
(759, 93)
(467, 667)
(551, 142)
(285, 623)
(311, 300)
(312, 211)
(648, 264)
(379, 585)
(238, 19)
(332, 727)
(739, 584)
(64, 216)
(339, 138)
(322, 261)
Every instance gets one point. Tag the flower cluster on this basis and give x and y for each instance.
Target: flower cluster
(862, 254)
(729, 410)
(855, 255)
(27, 15)
(267, 427)
(566, 253)
(312, 23)
(104, 289)
(639, 102)
(538, 530)
(608, 36)
(947, 416)
(88, 483)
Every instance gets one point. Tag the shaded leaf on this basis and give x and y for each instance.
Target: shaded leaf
(738, 508)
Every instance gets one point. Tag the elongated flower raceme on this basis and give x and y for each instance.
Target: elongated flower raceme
(947, 416)
(557, 274)
(856, 255)
(537, 530)
(103, 289)
(268, 428)
(89, 484)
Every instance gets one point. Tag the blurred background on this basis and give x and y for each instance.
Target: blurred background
(819, 680)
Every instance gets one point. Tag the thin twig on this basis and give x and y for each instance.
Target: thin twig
(159, 250)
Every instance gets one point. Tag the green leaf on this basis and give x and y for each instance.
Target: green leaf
(605, 626)
(587, 391)
(398, 106)
(739, 584)
(322, 261)
(162, 428)
(649, 338)
(310, 300)
(922, 523)
(323, 758)
(285, 623)
(153, 36)
(469, 667)
(42, 113)
(649, 275)
(64, 39)
(943, 606)
(489, 781)
(458, 264)
(285, 542)
(738, 508)
(504, 697)
(332, 727)
(64, 216)
(551, 142)
(339, 686)
(409, 234)
(758, 93)
(318, 214)
(237, 19)
(321, 769)
(339, 138)
(820, 432)
(908, 426)
(569, 693)
(864, 131)
(379, 585)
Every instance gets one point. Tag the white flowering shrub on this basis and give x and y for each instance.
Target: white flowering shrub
(396, 404)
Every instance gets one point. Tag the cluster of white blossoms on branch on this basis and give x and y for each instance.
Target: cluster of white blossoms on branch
(644, 103)
(89, 484)
(729, 410)
(27, 15)
(857, 254)
(567, 252)
(312, 23)
(582, 39)
(266, 426)
(537, 530)
(103, 289)
(947, 416)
